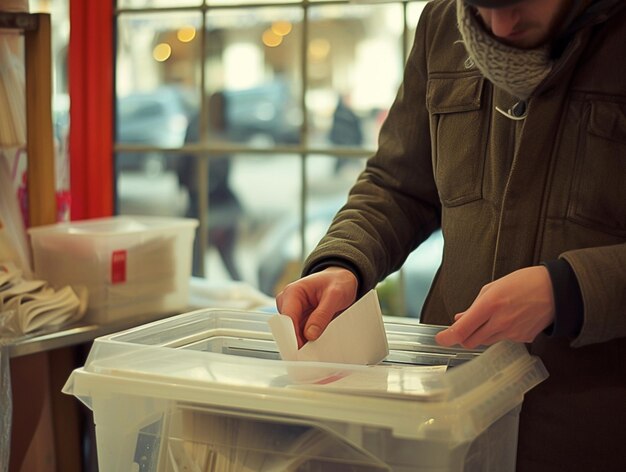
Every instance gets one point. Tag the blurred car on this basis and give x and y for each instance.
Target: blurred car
(279, 260)
(265, 115)
(157, 118)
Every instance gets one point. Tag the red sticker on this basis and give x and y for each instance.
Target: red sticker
(118, 267)
(332, 378)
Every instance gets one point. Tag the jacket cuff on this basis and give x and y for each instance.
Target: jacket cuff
(568, 302)
(338, 262)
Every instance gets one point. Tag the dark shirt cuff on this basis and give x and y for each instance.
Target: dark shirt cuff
(338, 262)
(568, 300)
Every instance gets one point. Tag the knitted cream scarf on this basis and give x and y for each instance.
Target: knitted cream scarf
(517, 71)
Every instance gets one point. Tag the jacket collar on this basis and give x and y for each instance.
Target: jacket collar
(586, 14)
(576, 37)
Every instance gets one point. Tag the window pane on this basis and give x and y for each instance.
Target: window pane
(355, 64)
(207, 182)
(157, 77)
(153, 190)
(252, 62)
(157, 49)
(269, 192)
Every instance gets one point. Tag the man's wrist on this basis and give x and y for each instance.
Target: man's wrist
(338, 262)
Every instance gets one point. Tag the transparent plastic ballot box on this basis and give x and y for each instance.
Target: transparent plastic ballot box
(207, 391)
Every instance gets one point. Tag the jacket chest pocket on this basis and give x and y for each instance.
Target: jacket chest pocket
(458, 136)
(598, 198)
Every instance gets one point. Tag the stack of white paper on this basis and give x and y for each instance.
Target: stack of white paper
(29, 305)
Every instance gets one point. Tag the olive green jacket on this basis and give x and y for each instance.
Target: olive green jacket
(510, 194)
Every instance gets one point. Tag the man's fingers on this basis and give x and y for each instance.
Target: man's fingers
(448, 337)
(289, 303)
(453, 336)
(321, 316)
(465, 325)
(313, 301)
(493, 339)
(483, 337)
(333, 300)
(292, 307)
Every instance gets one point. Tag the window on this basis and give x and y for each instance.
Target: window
(255, 119)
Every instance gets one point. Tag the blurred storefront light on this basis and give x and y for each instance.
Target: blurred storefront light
(162, 52)
(281, 28)
(271, 39)
(319, 48)
(186, 34)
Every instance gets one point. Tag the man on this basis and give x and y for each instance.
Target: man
(509, 133)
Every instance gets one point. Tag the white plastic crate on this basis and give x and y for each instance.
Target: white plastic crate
(130, 265)
(206, 391)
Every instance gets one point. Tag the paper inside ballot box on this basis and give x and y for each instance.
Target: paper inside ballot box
(214, 441)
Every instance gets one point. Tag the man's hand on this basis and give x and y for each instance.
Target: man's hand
(516, 307)
(314, 300)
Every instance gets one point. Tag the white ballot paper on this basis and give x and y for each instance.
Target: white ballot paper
(356, 336)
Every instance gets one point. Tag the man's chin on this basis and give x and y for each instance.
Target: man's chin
(525, 40)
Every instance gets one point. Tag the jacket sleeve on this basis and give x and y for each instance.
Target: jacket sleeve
(394, 205)
(601, 274)
(568, 303)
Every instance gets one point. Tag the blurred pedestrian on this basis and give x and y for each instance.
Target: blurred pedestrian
(225, 209)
